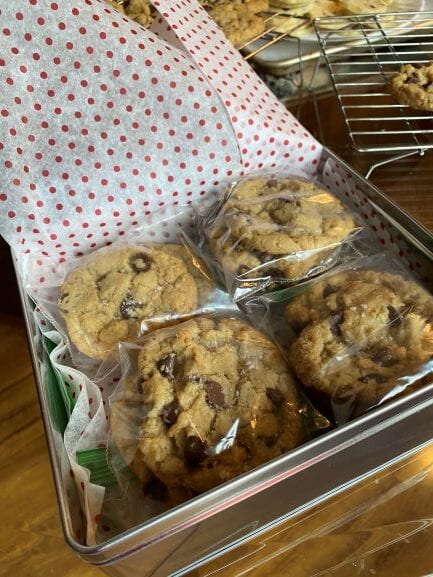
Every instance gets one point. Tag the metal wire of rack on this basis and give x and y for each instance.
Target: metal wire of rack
(378, 38)
(377, 45)
(289, 70)
(282, 30)
(274, 32)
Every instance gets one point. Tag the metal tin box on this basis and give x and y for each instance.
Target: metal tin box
(220, 520)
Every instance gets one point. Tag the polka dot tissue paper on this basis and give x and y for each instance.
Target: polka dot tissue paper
(104, 126)
(104, 122)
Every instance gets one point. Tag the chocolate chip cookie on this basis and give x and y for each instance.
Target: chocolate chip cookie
(249, 263)
(237, 19)
(294, 8)
(107, 299)
(290, 221)
(255, 6)
(219, 400)
(365, 6)
(196, 268)
(139, 10)
(413, 86)
(360, 336)
(126, 415)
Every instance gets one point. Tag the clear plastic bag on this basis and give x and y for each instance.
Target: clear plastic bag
(119, 292)
(204, 401)
(355, 337)
(271, 230)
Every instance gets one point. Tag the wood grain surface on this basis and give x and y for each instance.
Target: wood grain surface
(382, 528)
(31, 541)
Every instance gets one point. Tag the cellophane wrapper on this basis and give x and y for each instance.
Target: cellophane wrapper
(147, 279)
(202, 402)
(356, 336)
(273, 230)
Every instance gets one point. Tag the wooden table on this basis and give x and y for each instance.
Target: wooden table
(349, 533)
(31, 542)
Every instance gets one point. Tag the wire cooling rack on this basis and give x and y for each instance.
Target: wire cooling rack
(274, 21)
(379, 44)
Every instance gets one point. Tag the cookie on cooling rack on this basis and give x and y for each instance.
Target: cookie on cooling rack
(139, 10)
(365, 6)
(254, 6)
(238, 19)
(292, 7)
(413, 86)
(285, 24)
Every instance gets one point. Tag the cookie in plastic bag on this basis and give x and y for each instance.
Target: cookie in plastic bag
(277, 230)
(362, 336)
(116, 294)
(205, 401)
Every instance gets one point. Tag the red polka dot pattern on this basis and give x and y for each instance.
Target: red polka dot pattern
(85, 403)
(268, 135)
(102, 124)
(352, 192)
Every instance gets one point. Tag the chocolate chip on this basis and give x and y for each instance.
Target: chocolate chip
(298, 325)
(128, 308)
(271, 441)
(384, 358)
(394, 316)
(140, 386)
(374, 378)
(170, 412)
(265, 257)
(335, 322)
(275, 396)
(274, 272)
(243, 269)
(140, 262)
(167, 366)
(328, 290)
(195, 451)
(272, 183)
(411, 80)
(156, 489)
(417, 65)
(214, 394)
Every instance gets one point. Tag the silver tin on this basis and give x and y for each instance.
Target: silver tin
(220, 520)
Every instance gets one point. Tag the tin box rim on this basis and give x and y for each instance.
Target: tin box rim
(253, 482)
